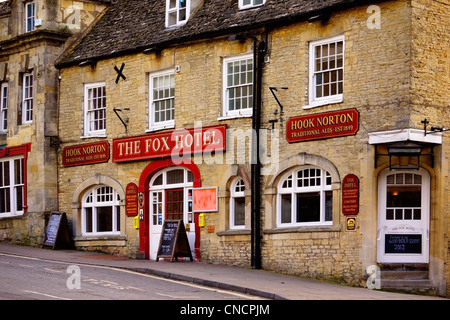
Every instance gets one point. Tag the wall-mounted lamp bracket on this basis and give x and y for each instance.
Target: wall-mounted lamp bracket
(122, 120)
(273, 89)
(434, 129)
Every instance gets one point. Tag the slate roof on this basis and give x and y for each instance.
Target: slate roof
(133, 25)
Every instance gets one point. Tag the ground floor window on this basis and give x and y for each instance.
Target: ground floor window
(11, 186)
(237, 204)
(101, 211)
(305, 197)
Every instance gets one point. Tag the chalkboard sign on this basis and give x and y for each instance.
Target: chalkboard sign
(57, 232)
(173, 242)
(403, 243)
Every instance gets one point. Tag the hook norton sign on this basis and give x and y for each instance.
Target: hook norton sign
(322, 125)
(175, 143)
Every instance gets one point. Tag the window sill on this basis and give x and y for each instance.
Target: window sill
(303, 229)
(5, 216)
(100, 135)
(101, 240)
(236, 116)
(160, 128)
(324, 102)
(234, 232)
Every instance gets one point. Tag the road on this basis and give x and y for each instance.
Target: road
(25, 278)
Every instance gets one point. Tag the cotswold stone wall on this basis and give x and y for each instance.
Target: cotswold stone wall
(430, 99)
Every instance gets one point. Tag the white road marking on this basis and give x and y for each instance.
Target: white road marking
(46, 295)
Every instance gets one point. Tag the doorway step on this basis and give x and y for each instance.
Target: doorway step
(412, 278)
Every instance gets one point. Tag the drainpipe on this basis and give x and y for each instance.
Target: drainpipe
(259, 50)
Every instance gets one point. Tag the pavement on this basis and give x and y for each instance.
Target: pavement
(265, 284)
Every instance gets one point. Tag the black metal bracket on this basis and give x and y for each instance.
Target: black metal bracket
(123, 122)
(434, 129)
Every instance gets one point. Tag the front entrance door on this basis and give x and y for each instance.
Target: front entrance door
(403, 217)
(171, 198)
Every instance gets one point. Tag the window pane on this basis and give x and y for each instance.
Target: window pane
(239, 211)
(175, 176)
(104, 219)
(308, 207)
(328, 205)
(88, 219)
(286, 205)
(403, 196)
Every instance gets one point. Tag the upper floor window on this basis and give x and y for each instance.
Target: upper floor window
(29, 16)
(238, 86)
(27, 98)
(177, 12)
(326, 71)
(4, 107)
(162, 100)
(305, 198)
(11, 186)
(244, 4)
(94, 109)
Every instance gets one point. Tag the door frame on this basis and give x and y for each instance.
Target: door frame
(144, 190)
(404, 227)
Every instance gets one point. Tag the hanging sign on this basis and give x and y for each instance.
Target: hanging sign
(85, 154)
(176, 143)
(350, 194)
(322, 125)
(131, 199)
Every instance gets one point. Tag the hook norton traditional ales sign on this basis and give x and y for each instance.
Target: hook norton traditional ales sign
(322, 125)
(85, 154)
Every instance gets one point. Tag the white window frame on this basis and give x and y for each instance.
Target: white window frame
(246, 4)
(29, 19)
(293, 189)
(154, 125)
(89, 113)
(4, 108)
(243, 112)
(177, 11)
(90, 200)
(236, 191)
(315, 101)
(13, 185)
(27, 97)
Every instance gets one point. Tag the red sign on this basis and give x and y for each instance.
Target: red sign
(350, 194)
(85, 154)
(322, 125)
(131, 199)
(177, 143)
(205, 200)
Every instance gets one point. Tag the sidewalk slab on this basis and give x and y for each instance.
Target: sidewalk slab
(266, 284)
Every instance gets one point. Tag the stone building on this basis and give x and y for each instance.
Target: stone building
(32, 35)
(167, 104)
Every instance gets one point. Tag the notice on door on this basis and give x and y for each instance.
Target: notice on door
(403, 243)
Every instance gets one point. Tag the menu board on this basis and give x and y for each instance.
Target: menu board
(57, 232)
(403, 243)
(174, 242)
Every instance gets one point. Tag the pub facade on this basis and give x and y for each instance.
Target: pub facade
(304, 139)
